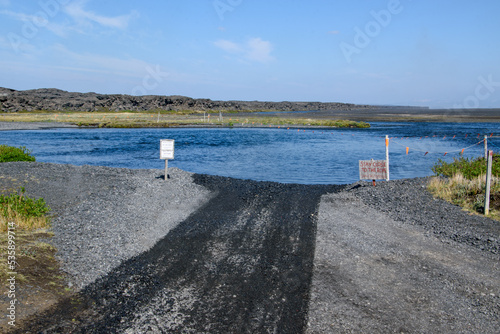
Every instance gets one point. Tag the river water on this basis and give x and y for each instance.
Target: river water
(307, 156)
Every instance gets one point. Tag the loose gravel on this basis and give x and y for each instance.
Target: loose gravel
(373, 274)
(212, 254)
(103, 215)
(409, 201)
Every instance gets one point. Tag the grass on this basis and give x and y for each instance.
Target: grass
(469, 168)
(163, 118)
(24, 228)
(27, 213)
(277, 121)
(463, 182)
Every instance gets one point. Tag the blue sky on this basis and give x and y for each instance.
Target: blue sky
(401, 52)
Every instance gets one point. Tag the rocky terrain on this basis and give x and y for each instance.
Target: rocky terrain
(59, 100)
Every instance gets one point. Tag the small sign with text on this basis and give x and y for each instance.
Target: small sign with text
(167, 149)
(372, 169)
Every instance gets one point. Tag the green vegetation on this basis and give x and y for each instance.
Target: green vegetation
(27, 213)
(169, 118)
(23, 229)
(9, 153)
(463, 182)
(468, 168)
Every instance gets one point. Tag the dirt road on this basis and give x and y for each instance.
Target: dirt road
(262, 257)
(241, 264)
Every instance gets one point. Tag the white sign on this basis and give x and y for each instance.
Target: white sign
(166, 149)
(372, 169)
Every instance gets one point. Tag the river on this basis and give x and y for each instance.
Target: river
(306, 156)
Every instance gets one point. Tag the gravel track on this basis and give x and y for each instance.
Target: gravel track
(232, 256)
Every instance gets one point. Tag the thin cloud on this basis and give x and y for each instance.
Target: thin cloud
(78, 13)
(334, 32)
(255, 49)
(4, 3)
(259, 50)
(57, 29)
(90, 62)
(228, 46)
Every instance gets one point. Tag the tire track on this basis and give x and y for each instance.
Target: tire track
(240, 264)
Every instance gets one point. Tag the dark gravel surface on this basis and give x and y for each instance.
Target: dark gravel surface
(262, 257)
(103, 215)
(408, 201)
(374, 274)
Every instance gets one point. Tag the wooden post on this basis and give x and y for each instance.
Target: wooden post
(387, 155)
(166, 169)
(488, 184)
(167, 152)
(485, 147)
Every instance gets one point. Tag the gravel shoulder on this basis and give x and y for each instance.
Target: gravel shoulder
(103, 216)
(206, 254)
(373, 274)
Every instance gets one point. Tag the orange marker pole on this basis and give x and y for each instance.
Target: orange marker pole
(407, 149)
(387, 156)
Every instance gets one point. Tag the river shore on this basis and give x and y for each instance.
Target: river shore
(199, 253)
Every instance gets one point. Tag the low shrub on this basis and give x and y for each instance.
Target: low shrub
(9, 154)
(469, 168)
(463, 182)
(27, 213)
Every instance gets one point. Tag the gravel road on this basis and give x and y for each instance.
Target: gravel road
(208, 254)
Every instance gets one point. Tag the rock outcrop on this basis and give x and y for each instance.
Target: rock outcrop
(58, 100)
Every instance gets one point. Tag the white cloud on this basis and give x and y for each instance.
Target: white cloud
(37, 21)
(78, 13)
(255, 49)
(228, 46)
(259, 50)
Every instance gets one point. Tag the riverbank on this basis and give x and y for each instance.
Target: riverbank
(6, 126)
(213, 254)
(398, 114)
(45, 119)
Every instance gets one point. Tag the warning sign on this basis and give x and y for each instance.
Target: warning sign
(166, 149)
(372, 169)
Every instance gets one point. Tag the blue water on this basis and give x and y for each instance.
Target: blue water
(290, 156)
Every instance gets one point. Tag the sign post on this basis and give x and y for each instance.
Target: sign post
(166, 152)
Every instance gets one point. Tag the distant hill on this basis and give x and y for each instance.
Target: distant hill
(54, 99)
